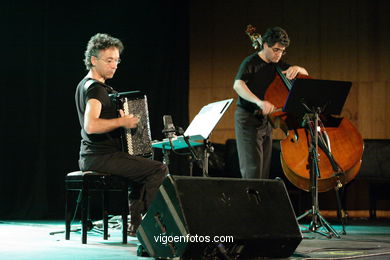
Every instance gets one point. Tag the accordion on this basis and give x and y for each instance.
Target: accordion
(136, 141)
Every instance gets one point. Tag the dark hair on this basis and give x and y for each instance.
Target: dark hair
(276, 35)
(98, 42)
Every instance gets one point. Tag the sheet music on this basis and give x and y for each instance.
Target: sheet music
(200, 128)
(207, 118)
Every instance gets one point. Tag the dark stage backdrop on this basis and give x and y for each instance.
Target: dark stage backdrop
(42, 47)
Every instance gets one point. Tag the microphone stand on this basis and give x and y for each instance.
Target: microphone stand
(165, 152)
(208, 148)
(170, 131)
(194, 155)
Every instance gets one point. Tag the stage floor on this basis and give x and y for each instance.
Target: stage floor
(364, 239)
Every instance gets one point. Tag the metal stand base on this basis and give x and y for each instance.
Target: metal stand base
(317, 223)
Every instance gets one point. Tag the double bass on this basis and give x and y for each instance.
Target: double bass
(339, 156)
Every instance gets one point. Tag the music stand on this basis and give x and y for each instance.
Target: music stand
(307, 99)
(204, 122)
(199, 129)
(329, 95)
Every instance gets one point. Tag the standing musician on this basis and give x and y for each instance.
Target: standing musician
(101, 148)
(253, 130)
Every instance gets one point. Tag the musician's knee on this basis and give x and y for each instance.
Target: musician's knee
(162, 172)
(164, 169)
(159, 174)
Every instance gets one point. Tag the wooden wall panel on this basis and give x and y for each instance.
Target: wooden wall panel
(373, 109)
(350, 110)
(365, 108)
(337, 40)
(367, 31)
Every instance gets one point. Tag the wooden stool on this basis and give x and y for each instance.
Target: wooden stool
(86, 182)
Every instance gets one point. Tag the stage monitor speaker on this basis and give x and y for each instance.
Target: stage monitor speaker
(199, 217)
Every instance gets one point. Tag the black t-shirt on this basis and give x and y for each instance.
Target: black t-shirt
(258, 75)
(97, 143)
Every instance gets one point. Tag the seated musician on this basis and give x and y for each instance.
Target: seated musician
(253, 130)
(101, 148)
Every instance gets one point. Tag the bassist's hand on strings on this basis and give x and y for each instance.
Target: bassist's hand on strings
(293, 71)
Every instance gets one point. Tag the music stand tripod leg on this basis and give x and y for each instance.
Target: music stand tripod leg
(326, 224)
(208, 149)
(340, 210)
(304, 215)
(317, 220)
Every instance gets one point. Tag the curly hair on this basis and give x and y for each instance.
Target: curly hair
(276, 35)
(98, 42)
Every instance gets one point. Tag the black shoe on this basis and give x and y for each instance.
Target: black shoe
(132, 230)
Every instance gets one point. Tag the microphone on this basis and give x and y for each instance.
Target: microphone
(169, 129)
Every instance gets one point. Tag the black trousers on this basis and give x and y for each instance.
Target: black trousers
(145, 174)
(254, 144)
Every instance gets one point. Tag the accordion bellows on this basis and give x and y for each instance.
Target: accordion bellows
(136, 141)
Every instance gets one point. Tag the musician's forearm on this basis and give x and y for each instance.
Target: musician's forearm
(100, 126)
(244, 92)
